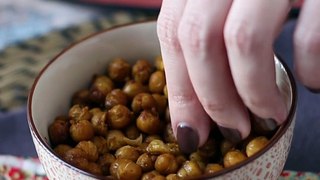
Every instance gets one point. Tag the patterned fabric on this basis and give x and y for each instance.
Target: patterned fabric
(16, 168)
(20, 63)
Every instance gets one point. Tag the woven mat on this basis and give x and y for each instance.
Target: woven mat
(20, 63)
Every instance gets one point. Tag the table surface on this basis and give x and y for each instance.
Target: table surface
(25, 23)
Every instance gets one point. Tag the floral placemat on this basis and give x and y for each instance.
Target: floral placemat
(17, 168)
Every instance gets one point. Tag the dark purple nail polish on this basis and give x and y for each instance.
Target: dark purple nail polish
(188, 138)
(264, 124)
(316, 91)
(232, 135)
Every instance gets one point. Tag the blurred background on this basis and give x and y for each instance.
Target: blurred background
(34, 31)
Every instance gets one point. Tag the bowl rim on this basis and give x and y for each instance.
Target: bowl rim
(42, 142)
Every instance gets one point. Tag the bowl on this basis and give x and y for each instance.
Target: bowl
(73, 69)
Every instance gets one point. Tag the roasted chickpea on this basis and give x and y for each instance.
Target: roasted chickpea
(127, 152)
(209, 149)
(166, 164)
(99, 123)
(119, 70)
(116, 139)
(94, 168)
(233, 157)
(157, 82)
(146, 162)
(150, 138)
(159, 147)
(189, 169)
(59, 132)
(77, 157)
(90, 149)
(226, 146)
(81, 131)
(212, 168)
(81, 97)
(165, 91)
(125, 169)
(143, 101)
(255, 145)
(159, 63)
(141, 71)
(119, 116)
(132, 132)
(168, 134)
(61, 149)
(159, 177)
(101, 143)
(181, 159)
(132, 88)
(172, 177)
(115, 97)
(105, 161)
(77, 113)
(95, 111)
(161, 102)
(150, 175)
(101, 86)
(148, 122)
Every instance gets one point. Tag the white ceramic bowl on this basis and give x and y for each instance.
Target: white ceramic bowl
(72, 70)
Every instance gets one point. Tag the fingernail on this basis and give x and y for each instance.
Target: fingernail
(265, 124)
(232, 135)
(188, 138)
(316, 91)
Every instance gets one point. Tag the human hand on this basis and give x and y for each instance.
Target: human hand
(219, 62)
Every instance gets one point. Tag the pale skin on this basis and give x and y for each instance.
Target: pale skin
(218, 58)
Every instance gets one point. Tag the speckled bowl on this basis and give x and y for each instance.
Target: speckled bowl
(73, 68)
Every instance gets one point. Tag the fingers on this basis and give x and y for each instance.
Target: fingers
(190, 123)
(307, 45)
(201, 38)
(250, 30)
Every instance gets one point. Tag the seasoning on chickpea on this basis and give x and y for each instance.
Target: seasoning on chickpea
(125, 169)
(132, 88)
(119, 70)
(143, 101)
(99, 123)
(101, 86)
(127, 152)
(166, 164)
(119, 116)
(90, 149)
(81, 131)
(141, 71)
(148, 122)
(115, 97)
(146, 162)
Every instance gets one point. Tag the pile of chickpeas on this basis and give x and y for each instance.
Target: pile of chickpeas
(120, 126)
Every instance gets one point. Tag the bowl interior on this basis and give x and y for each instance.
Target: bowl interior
(73, 69)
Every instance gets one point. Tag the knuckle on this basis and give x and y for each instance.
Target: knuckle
(240, 37)
(308, 42)
(182, 98)
(213, 107)
(167, 31)
(194, 34)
